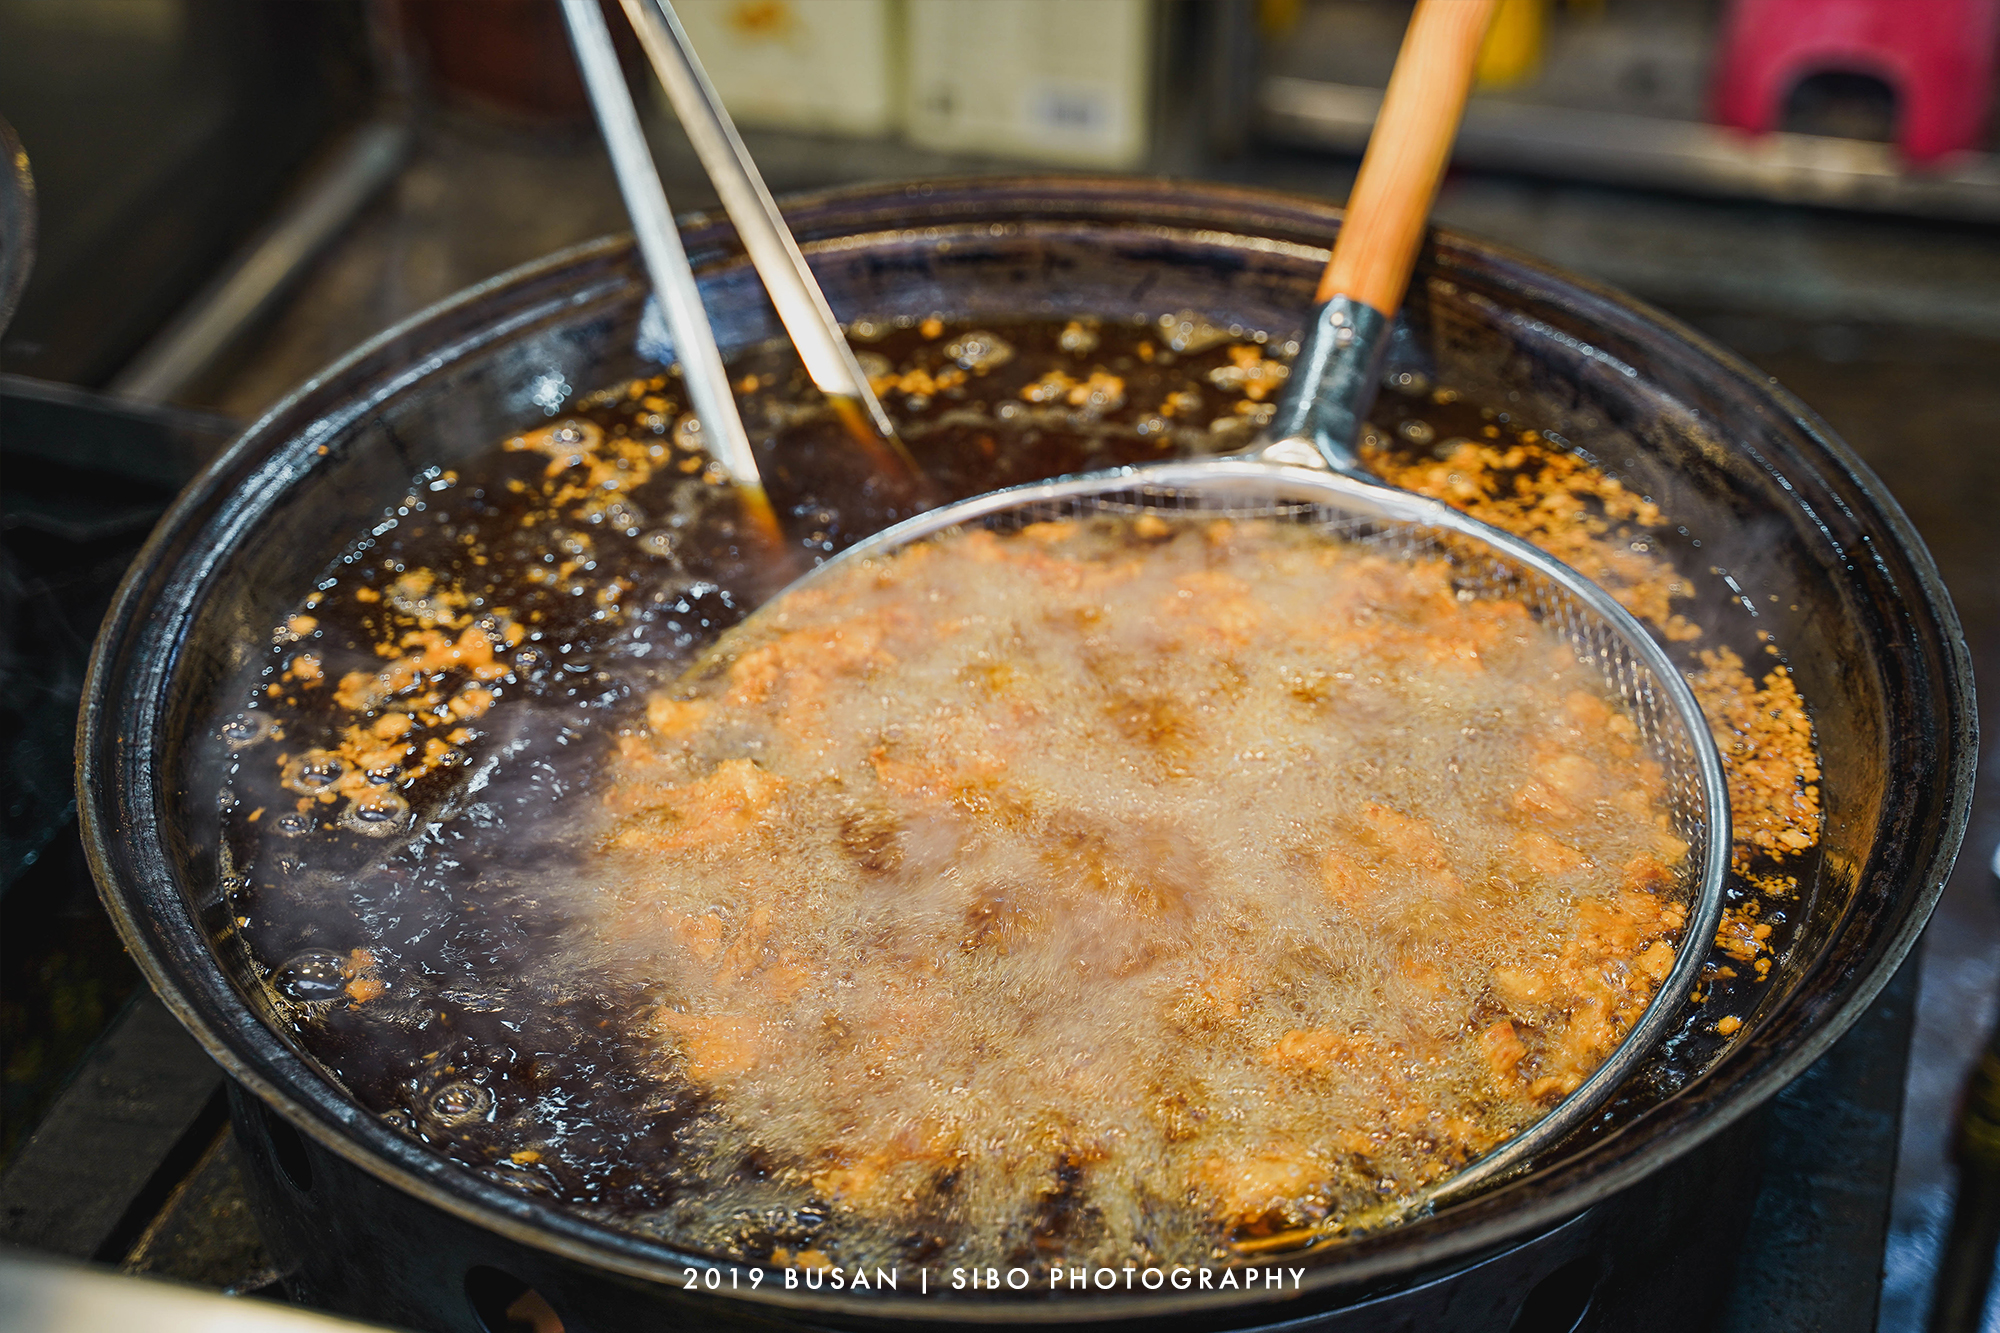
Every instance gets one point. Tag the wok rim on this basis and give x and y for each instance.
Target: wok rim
(208, 1005)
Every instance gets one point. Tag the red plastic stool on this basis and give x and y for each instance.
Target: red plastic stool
(1937, 55)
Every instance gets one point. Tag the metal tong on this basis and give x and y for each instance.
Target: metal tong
(801, 306)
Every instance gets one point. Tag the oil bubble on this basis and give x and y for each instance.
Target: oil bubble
(532, 666)
(294, 823)
(461, 1103)
(1416, 430)
(377, 814)
(400, 1120)
(246, 729)
(1078, 338)
(620, 514)
(313, 772)
(1186, 331)
(979, 351)
(311, 975)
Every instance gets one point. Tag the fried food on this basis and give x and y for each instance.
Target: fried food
(1220, 878)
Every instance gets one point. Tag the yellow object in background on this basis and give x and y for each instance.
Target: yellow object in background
(823, 66)
(1275, 18)
(1512, 52)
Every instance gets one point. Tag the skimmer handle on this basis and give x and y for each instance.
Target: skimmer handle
(1407, 153)
(1333, 382)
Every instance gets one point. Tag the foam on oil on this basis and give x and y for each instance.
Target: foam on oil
(1124, 893)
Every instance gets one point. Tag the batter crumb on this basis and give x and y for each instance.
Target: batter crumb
(1767, 750)
(1560, 503)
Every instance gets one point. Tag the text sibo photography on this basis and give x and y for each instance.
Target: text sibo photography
(928, 1281)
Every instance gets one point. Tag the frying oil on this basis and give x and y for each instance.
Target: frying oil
(1039, 1025)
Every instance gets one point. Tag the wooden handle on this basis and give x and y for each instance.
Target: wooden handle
(1407, 153)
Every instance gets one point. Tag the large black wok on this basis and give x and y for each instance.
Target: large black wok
(1793, 525)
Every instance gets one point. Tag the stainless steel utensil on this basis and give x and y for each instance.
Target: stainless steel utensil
(666, 261)
(773, 252)
(801, 306)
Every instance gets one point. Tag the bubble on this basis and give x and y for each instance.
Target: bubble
(1416, 431)
(1077, 338)
(313, 772)
(461, 1103)
(687, 432)
(1186, 331)
(311, 975)
(400, 1120)
(294, 823)
(377, 814)
(246, 729)
(979, 351)
(622, 515)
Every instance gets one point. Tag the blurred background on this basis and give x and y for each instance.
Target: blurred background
(231, 193)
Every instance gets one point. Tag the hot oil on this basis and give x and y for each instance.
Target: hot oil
(427, 957)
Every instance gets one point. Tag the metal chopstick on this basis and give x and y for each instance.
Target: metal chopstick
(801, 305)
(666, 261)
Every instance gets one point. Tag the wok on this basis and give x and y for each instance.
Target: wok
(1786, 531)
